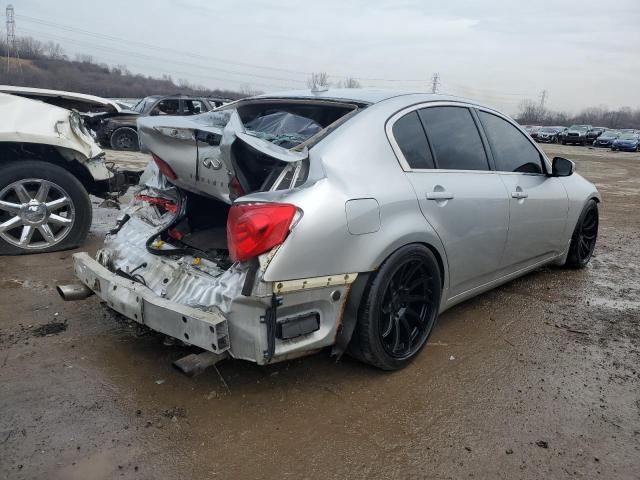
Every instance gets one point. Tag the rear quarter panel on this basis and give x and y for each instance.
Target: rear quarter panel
(354, 162)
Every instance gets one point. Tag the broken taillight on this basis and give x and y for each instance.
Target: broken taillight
(256, 228)
(163, 203)
(164, 167)
(235, 188)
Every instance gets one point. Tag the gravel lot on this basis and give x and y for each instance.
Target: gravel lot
(537, 379)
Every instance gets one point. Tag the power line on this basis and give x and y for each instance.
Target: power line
(164, 62)
(409, 83)
(183, 53)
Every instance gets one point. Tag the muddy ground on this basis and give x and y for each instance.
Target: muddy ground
(537, 379)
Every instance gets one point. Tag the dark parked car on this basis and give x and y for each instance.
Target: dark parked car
(629, 142)
(119, 130)
(548, 135)
(594, 133)
(606, 139)
(532, 130)
(576, 134)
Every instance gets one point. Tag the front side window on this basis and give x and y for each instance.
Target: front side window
(166, 107)
(411, 139)
(511, 150)
(454, 138)
(193, 107)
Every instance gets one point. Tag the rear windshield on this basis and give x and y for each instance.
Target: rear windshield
(292, 123)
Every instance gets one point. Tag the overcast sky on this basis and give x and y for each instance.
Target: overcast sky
(584, 53)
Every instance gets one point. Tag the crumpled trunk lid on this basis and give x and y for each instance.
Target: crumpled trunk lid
(213, 154)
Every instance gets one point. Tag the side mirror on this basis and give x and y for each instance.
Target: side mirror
(561, 167)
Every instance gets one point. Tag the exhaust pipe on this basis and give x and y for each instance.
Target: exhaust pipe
(74, 292)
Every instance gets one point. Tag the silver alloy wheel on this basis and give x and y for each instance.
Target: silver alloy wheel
(35, 214)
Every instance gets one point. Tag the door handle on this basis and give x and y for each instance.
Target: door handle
(519, 195)
(439, 196)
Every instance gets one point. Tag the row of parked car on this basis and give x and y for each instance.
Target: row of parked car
(624, 139)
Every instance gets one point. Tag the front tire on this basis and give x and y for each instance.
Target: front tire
(585, 234)
(399, 309)
(125, 138)
(43, 208)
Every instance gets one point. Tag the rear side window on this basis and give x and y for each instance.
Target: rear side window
(454, 137)
(511, 150)
(411, 139)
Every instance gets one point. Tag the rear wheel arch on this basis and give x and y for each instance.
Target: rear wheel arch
(435, 247)
(366, 343)
(359, 292)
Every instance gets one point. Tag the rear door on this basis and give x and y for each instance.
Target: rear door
(443, 155)
(538, 203)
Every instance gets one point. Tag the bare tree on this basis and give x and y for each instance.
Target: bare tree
(318, 81)
(248, 91)
(350, 82)
(83, 58)
(530, 112)
(53, 50)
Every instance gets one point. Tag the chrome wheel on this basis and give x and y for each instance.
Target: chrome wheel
(35, 214)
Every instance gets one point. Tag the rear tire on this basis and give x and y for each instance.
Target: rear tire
(125, 138)
(399, 309)
(45, 208)
(585, 235)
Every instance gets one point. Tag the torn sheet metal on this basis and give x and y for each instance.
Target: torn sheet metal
(31, 121)
(199, 149)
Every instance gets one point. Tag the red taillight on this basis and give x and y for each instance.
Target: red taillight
(164, 167)
(163, 203)
(236, 188)
(256, 228)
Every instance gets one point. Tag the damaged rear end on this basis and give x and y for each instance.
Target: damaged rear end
(191, 254)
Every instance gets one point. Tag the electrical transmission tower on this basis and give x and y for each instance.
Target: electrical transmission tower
(13, 57)
(543, 98)
(434, 82)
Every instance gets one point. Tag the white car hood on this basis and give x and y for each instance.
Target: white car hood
(31, 121)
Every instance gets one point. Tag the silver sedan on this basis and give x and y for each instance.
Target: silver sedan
(279, 225)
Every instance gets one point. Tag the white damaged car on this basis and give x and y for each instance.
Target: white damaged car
(49, 164)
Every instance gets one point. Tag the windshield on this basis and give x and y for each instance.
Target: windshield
(578, 127)
(610, 133)
(548, 130)
(628, 136)
(139, 107)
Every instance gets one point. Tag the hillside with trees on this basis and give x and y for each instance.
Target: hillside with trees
(46, 65)
(531, 113)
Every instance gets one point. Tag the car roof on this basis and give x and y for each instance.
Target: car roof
(361, 95)
(178, 95)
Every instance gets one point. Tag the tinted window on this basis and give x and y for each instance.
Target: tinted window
(167, 107)
(193, 107)
(454, 138)
(411, 139)
(511, 150)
